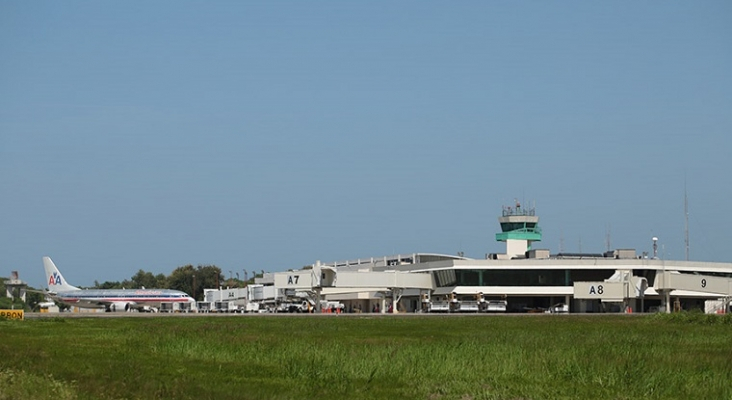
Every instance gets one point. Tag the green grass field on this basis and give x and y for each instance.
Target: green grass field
(680, 356)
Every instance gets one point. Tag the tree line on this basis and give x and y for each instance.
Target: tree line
(187, 278)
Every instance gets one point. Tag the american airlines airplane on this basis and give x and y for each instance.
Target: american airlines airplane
(109, 299)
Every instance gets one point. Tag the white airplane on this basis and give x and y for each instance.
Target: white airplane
(109, 299)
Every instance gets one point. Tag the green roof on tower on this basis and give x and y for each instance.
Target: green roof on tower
(519, 223)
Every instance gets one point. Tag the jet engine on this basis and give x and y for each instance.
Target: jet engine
(120, 306)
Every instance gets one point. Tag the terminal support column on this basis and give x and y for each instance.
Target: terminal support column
(318, 305)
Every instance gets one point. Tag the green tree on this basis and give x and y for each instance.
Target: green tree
(182, 279)
(107, 285)
(144, 279)
(162, 281)
(33, 298)
(193, 280)
(11, 304)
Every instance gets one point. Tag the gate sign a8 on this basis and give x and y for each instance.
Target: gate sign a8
(600, 290)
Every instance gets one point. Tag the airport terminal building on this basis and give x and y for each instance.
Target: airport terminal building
(523, 279)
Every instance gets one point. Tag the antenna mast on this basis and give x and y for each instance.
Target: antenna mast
(686, 222)
(561, 241)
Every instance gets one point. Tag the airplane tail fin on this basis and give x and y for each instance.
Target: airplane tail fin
(55, 281)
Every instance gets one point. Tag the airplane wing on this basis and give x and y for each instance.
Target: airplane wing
(44, 291)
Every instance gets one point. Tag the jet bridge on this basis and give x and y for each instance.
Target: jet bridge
(323, 280)
(673, 280)
(622, 287)
(667, 281)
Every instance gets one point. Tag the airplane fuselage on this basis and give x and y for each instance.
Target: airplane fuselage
(102, 298)
(110, 299)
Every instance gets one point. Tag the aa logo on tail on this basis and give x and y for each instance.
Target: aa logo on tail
(55, 279)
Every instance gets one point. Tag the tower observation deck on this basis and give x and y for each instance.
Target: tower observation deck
(519, 229)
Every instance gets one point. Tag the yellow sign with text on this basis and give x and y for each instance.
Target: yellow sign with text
(12, 314)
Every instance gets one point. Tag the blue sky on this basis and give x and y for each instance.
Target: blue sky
(268, 135)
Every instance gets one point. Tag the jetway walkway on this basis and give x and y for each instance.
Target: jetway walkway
(619, 287)
(668, 281)
(622, 287)
(673, 280)
(346, 280)
(625, 288)
(320, 280)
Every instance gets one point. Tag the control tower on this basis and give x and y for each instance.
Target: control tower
(519, 228)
